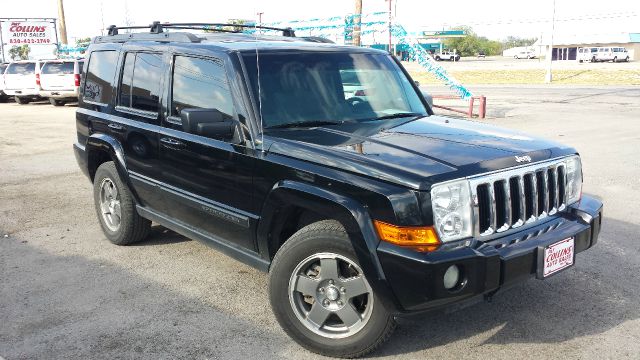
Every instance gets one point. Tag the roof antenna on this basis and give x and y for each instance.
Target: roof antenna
(255, 32)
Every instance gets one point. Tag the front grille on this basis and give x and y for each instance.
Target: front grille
(509, 199)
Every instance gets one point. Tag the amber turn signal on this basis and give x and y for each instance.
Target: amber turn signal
(420, 238)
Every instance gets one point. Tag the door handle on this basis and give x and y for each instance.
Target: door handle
(116, 127)
(172, 143)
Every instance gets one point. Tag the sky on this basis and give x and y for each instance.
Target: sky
(491, 18)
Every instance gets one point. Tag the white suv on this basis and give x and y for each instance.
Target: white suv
(525, 54)
(59, 80)
(3, 67)
(20, 81)
(614, 54)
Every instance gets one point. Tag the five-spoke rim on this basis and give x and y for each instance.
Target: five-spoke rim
(330, 295)
(110, 204)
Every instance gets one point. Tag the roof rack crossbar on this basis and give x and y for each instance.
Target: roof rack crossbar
(156, 28)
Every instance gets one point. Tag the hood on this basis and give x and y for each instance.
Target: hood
(414, 153)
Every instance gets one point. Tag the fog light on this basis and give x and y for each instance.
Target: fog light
(451, 277)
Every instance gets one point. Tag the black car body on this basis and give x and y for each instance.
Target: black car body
(248, 193)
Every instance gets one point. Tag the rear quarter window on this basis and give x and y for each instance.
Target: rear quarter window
(21, 69)
(58, 68)
(100, 74)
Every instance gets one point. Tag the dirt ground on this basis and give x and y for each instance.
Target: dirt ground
(66, 292)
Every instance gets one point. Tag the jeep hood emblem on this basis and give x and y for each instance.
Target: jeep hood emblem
(524, 158)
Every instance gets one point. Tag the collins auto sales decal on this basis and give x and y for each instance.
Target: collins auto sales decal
(16, 32)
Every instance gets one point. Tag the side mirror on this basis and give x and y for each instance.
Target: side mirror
(427, 97)
(417, 83)
(207, 122)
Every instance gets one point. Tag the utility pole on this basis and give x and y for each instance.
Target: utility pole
(63, 26)
(260, 18)
(549, 77)
(390, 49)
(357, 21)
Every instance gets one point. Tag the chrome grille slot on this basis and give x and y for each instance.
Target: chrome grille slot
(521, 196)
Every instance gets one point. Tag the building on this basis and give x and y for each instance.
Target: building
(565, 47)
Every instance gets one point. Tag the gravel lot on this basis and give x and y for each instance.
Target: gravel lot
(66, 292)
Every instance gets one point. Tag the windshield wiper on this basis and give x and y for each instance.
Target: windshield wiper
(304, 124)
(396, 115)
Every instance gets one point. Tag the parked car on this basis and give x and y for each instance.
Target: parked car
(447, 55)
(361, 211)
(481, 54)
(587, 54)
(613, 54)
(59, 80)
(3, 96)
(525, 54)
(20, 81)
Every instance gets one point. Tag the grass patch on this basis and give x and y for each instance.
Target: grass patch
(536, 76)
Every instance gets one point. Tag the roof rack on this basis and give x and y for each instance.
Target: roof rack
(157, 28)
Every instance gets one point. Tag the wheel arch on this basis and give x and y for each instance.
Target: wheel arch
(290, 196)
(101, 148)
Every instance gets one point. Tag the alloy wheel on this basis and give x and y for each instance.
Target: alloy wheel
(330, 295)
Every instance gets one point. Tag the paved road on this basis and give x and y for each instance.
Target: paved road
(65, 292)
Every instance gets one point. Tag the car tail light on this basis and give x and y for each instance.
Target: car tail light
(360, 93)
(76, 78)
(38, 79)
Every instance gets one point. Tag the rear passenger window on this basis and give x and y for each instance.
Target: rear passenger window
(23, 69)
(200, 83)
(102, 69)
(58, 68)
(140, 84)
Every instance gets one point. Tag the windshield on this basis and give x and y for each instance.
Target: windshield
(314, 88)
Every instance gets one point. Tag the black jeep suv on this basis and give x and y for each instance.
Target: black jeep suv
(325, 166)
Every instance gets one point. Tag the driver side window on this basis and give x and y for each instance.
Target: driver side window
(200, 83)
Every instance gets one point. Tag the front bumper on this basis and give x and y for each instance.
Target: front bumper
(416, 279)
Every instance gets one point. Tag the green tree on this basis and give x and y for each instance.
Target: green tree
(20, 52)
(514, 41)
(472, 44)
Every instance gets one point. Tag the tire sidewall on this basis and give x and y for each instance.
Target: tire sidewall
(299, 247)
(108, 170)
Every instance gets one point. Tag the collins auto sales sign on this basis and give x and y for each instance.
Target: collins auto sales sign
(15, 32)
(39, 34)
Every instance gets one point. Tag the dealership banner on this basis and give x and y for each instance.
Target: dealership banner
(35, 33)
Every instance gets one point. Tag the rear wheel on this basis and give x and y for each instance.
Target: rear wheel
(21, 100)
(615, 59)
(321, 297)
(626, 59)
(56, 102)
(115, 208)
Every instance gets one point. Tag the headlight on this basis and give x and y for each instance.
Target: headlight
(573, 189)
(451, 203)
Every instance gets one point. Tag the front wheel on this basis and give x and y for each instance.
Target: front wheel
(322, 298)
(116, 209)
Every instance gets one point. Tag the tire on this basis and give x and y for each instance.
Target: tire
(21, 101)
(437, 58)
(626, 59)
(325, 244)
(129, 227)
(615, 59)
(55, 102)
